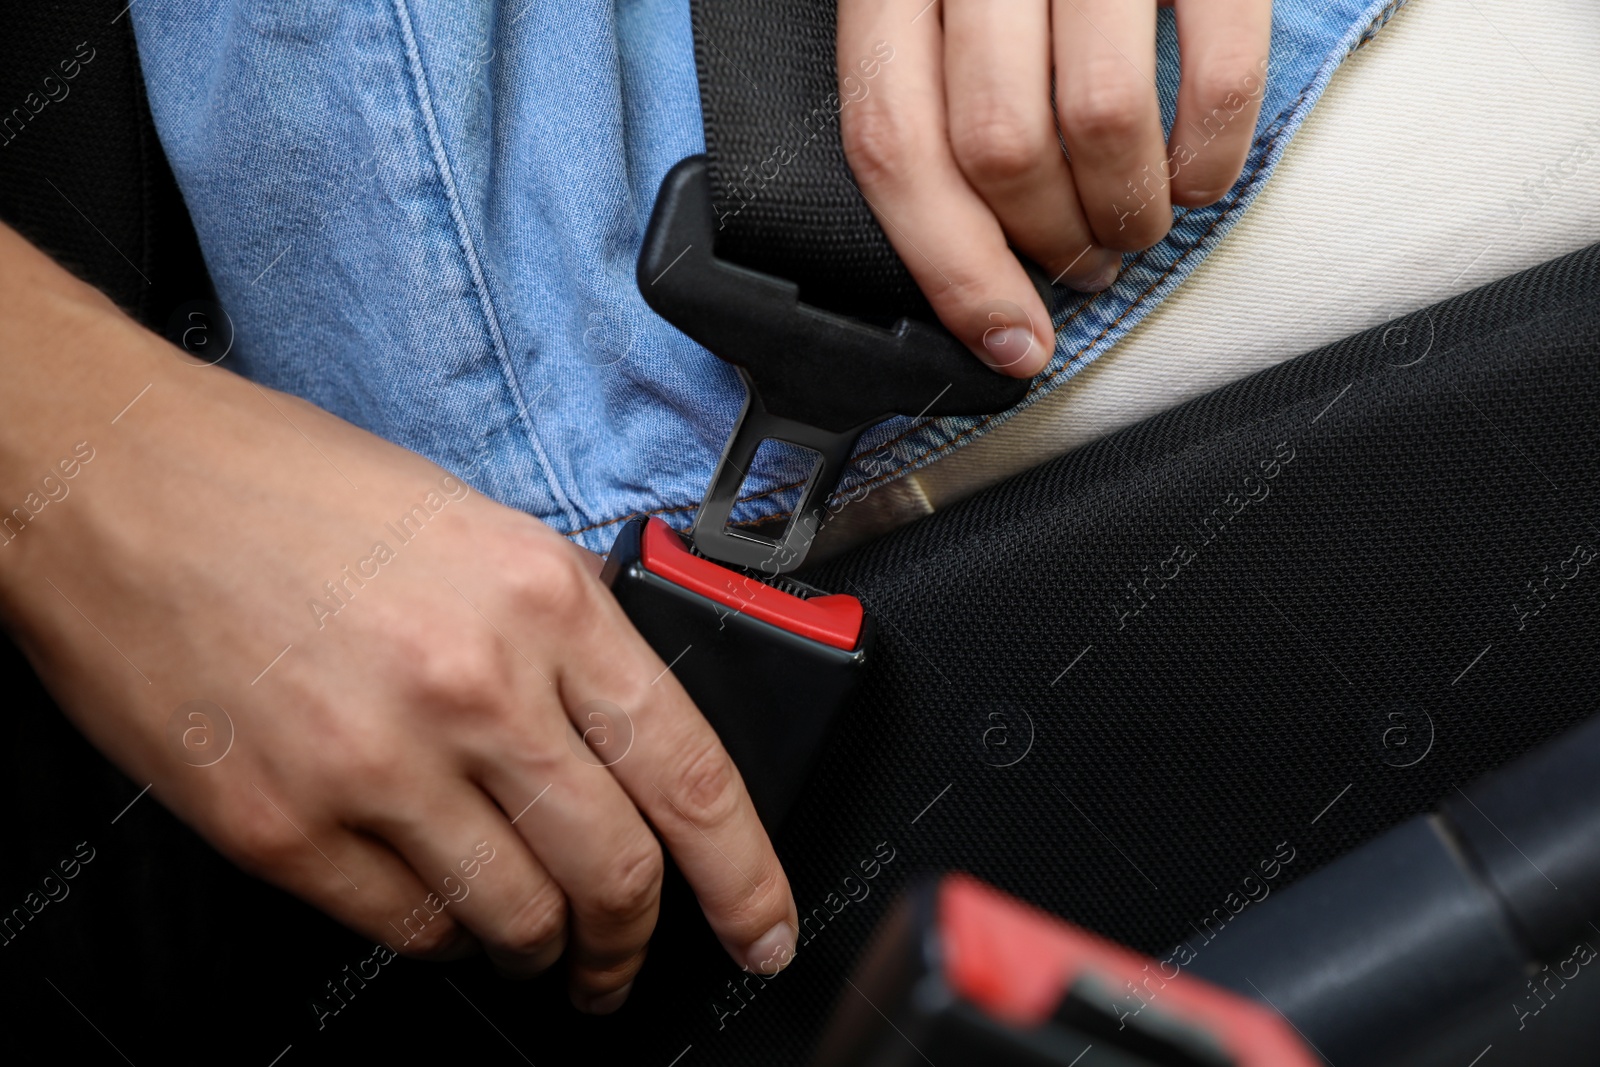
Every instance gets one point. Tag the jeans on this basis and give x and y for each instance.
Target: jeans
(425, 217)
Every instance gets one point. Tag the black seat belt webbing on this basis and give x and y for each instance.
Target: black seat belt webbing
(783, 193)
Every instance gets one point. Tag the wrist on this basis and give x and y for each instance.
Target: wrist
(70, 362)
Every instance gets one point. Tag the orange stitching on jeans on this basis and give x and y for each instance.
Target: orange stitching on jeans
(1379, 21)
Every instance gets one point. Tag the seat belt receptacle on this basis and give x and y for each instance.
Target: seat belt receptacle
(768, 665)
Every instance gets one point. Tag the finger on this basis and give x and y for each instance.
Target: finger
(679, 776)
(1111, 119)
(1224, 44)
(591, 839)
(474, 864)
(359, 881)
(897, 143)
(1003, 135)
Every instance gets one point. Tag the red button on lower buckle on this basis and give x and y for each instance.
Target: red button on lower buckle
(833, 620)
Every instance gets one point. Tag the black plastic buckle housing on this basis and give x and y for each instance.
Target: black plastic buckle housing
(815, 379)
(769, 692)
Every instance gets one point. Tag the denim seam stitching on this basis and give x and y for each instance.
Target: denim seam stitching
(1379, 21)
(474, 265)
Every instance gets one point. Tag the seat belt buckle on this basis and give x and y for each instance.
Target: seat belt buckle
(768, 662)
(985, 979)
(814, 379)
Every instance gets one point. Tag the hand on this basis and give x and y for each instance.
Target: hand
(402, 662)
(956, 147)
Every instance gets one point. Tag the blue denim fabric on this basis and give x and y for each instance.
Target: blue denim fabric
(424, 218)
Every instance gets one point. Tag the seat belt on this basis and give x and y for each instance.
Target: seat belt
(783, 195)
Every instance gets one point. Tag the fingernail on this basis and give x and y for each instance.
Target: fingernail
(772, 951)
(1008, 347)
(605, 1003)
(1104, 279)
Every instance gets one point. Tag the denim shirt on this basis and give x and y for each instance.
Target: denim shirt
(424, 217)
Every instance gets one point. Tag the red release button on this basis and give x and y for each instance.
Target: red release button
(832, 620)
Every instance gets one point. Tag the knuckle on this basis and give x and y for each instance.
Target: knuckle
(437, 937)
(1223, 85)
(632, 887)
(635, 689)
(968, 293)
(538, 924)
(967, 304)
(551, 583)
(261, 840)
(604, 977)
(882, 149)
(461, 671)
(761, 904)
(995, 144)
(705, 786)
(1106, 115)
